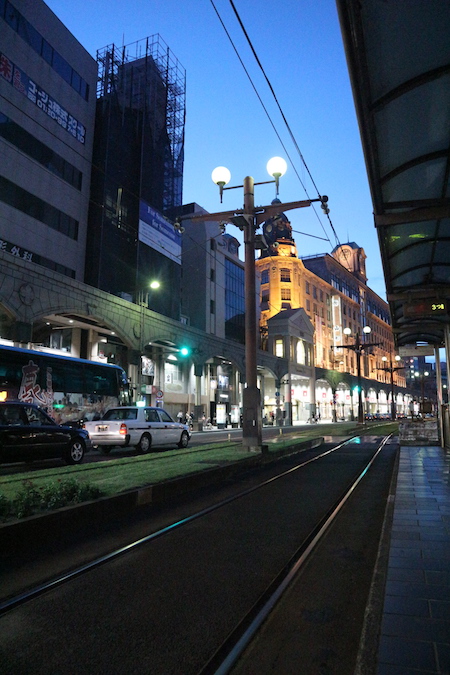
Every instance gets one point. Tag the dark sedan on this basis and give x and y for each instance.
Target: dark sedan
(28, 433)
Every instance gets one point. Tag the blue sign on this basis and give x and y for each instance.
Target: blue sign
(159, 233)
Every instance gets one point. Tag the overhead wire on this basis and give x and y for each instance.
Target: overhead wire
(280, 110)
(291, 134)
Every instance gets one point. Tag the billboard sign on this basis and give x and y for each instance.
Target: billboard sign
(34, 93)
(337, 322)
(158, 233)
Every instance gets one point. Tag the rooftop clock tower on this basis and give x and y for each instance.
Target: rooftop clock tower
(353, 258)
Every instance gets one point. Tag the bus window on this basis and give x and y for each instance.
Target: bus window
(100, 381)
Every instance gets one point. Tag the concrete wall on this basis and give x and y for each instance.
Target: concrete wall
(419, 432)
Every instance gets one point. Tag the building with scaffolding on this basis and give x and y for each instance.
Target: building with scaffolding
(137, 174)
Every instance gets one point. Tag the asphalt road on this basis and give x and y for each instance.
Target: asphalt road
(165, 607)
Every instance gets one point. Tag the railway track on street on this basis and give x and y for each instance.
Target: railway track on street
(191, 596)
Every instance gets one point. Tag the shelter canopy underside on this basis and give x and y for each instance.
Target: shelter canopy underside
(399, 61)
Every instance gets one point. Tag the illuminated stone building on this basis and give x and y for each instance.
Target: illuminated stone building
(332, 291)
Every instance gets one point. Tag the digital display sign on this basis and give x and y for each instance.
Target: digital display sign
(427, 307)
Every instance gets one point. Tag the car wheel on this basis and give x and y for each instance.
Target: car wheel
(75, 453)
(105, 449)
(184, 440)
(145, 443)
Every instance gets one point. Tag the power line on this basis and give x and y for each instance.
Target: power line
(280, 110)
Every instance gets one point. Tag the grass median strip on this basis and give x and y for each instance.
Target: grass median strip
(118, 475)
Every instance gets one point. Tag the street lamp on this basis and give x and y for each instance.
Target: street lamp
(144, 362)
(358, 348)
(422, 385)
(143, 295)
(276, 167)
(249, 220)
(221, 176)
(391, 369)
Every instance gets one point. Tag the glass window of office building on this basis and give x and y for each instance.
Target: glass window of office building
(234, 302)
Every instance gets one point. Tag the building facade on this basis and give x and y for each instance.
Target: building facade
(332, 291)
(47, 114)
(76, 262)
(53, 116)
(211, 262)
(138, 171)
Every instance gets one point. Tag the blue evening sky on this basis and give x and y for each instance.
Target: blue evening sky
(300, 46)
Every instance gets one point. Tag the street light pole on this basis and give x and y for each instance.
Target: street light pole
(391, 369)
(422, 376)
(358, 375)
(248, 220)
(358, 348)
(250, 283)
(143, 301)
(251, 419)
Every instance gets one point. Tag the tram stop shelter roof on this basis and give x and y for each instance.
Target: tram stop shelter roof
(398, 56)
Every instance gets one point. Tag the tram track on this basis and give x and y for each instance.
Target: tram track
(236, 640)
(12, 603)
(236, 643)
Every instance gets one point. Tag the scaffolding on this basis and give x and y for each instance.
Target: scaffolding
(145, 76)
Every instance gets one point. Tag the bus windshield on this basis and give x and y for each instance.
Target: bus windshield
(69, 389)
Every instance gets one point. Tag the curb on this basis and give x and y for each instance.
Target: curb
(51, 526)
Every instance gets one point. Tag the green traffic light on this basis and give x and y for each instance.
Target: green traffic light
(184, 351)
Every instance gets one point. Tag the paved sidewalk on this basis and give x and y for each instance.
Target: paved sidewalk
(415, 628)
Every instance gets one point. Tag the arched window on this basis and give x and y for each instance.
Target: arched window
(301, 352)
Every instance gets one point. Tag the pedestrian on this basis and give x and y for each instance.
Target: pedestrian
(180, 416)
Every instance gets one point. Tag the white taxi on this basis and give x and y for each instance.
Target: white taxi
(141, 427)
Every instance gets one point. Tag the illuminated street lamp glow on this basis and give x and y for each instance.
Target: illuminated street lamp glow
(276, 167)
(221, 175)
